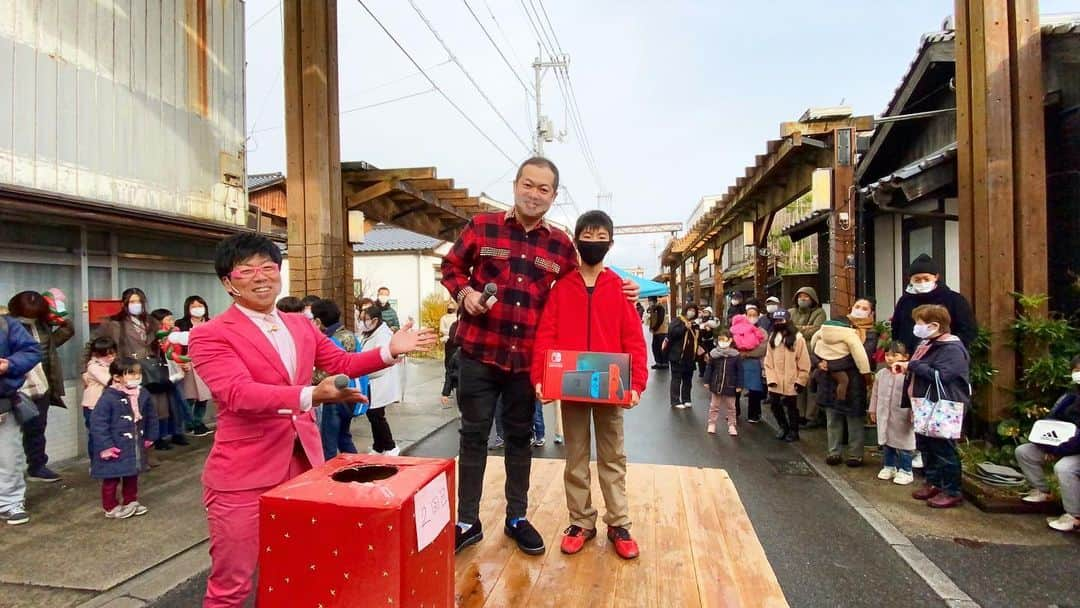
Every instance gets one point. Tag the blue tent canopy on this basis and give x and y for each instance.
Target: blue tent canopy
(648, 288)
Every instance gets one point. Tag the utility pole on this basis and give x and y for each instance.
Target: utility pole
(544, 130)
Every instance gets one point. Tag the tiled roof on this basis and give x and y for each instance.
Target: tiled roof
(259, 180)
(385, 238)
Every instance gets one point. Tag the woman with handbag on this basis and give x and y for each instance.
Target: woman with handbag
(937, 388)
(45, 382)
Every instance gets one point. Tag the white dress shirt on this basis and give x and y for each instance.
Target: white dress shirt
(273, 327)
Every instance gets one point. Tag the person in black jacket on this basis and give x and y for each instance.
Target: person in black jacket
(658, 327)
(723, 378)
(1066, 456)
(939, 355)
(925, 287)
(682, 351)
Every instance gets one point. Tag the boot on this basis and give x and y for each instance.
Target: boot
(793, 432)
(781, 421)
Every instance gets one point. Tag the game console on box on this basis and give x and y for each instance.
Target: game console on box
(587, 376)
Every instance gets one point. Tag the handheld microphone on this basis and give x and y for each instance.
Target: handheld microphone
(341, 382)
(489, 294)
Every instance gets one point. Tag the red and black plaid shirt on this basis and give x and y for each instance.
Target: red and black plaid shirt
(494, 248)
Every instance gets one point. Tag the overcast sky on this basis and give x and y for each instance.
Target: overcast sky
(676, 98)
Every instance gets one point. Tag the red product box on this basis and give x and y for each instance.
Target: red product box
(360, 530)
(587, 377)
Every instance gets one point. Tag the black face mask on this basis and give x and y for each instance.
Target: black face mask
(592, 252)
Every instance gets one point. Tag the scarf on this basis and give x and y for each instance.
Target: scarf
(920, 352)
(862, 326)
(132, 395)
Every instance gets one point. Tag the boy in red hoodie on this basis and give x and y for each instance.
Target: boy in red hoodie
(587, 311)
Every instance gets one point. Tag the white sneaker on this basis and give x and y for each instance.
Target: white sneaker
(1037, 495)
(731, 430)
(886, 473)
(140, 509)
(916, 460)
(121, 511)
(558, 439)
(711, 429)
(394, 452)
(1065, 523)
(903, 478)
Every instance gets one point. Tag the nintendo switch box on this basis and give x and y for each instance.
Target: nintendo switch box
(586, 376)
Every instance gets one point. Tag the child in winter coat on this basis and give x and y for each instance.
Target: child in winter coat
(122, 424)
(787, 371)
(723, 378)
(895, 432)
(96, 378)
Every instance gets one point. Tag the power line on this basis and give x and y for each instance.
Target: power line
(472, 80)
(558, 45)
(263, 16)
(402, 79)
(436, 86)
(498, 50)
(358, 108)
(540, 38)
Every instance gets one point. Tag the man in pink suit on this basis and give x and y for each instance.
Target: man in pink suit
(258, 364)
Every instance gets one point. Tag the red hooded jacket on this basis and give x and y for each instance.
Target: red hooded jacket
(603, 322)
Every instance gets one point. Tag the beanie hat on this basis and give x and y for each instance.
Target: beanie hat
(924, 264)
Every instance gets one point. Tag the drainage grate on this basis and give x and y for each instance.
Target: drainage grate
(786, 466)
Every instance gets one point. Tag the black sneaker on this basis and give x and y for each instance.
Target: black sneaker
(162, 445)
(526, 537)
(15, 516)
(201, 431)
(179, 439)
(470, 537)
(44, 474)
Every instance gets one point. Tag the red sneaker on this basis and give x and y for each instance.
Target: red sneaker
(574, 539)
(944, 501)
(926, 492)
(625, 546)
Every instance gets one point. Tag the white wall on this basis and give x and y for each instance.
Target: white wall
(411, 277)
(101, 99)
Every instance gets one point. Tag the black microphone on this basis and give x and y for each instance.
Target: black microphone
(489, 294)
(341, 382)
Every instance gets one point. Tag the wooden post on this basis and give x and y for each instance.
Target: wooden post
(318, 261)
(1001, 172)
(696, 278)
(762, 227)
(718, 279)
(842, 224)
(674, 301)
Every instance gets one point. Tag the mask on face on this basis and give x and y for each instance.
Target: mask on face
(752, 320)
(858, 313)
(804, 304)
(60, 307)
(922, 331)
(1076, 377)
(134, 309)
(691, 315)
(371, 324)
(724, 344)
(308, 315)
(925, 287)
(771, 307)
(383, 300)
(198, 312)
(592, 252)
(132, 383)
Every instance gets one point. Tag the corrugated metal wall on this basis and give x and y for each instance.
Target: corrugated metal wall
(122, 101)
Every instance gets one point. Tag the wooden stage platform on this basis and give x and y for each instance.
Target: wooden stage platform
(698, 547)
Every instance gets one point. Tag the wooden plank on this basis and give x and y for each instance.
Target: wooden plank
(374, 175)
(356, 199)
(467, 572)
(673, 540)
(432, 184)
(1029, 149)
(713, 562)
(638, 580)
(964, 150)
(456, 193)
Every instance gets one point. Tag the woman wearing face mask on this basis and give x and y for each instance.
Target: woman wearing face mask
(1065, 456)
(682, 353)
(132, 328)
(196, 393)
(787, 371)
(938, 355)
(30, 308)
(384, 386)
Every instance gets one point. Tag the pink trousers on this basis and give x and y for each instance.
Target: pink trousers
(234, 540)
(721, 402)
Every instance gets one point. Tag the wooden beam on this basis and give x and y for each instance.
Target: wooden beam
(448, 194)
(377, 175)
(373, 191)
(431, 184)
(859, 123)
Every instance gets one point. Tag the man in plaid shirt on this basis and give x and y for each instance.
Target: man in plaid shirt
(523, 256)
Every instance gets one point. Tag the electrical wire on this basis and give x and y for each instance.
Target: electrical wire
(498, 50)
(472, 80)
(363, 107)
(558, 45)
(262, 16)
(436, 86)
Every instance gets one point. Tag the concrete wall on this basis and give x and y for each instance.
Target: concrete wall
(411, 277)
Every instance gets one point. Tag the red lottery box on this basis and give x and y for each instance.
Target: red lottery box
(360, 530)
(587, 377)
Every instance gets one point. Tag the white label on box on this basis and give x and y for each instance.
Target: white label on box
(432, 503)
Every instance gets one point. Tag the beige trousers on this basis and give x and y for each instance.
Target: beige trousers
(578, 420)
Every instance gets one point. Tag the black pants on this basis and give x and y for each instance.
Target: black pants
(33, 436)
(382, 438)
(657, 344)
(754, 398)
(682, 380)
(480, 387)
(785, 410)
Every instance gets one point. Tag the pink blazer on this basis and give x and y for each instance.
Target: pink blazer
(258, 405)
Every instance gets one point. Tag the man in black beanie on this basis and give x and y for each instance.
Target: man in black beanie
(925, 287)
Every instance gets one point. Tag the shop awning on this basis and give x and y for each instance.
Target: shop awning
(648, 288)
